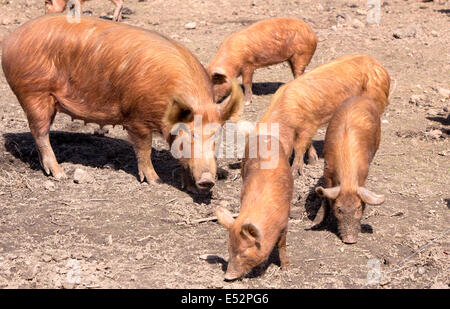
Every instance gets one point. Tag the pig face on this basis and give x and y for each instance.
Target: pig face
(221, 84)
(195, 146)
(194, 135)
(54, 6)
(244, 245)
(348, 208)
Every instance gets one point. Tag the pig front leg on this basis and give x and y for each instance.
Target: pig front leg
(282, 250)
(247, 77)
(142, 144)
(40, 112)
(118, 10)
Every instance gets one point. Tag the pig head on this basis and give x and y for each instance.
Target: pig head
(347, 208)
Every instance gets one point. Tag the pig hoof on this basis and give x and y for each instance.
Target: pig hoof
(312, 159)
(58, 174)
(151, 177)
(296, 172)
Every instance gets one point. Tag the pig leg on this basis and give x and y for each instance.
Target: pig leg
(301, 144)
(40, 112)
(142, 144)
(312, 155)
(118, 10)
(282, 250)
(298, 63)
(247, 77)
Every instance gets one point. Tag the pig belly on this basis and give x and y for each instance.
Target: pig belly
(101, 114)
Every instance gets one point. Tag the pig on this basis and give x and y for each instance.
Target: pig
(304, 104)
(58, 6)
(262, 44)
(265, 203)
(351, 141)
(115, 74)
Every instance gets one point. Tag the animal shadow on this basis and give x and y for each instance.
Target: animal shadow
(96, 151)
(442, 120)
(265, 88)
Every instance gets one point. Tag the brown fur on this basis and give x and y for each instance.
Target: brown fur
(309, 101)
(58, 6)
(351, 141)
(110, 73)
(262, 222)
(263, 43)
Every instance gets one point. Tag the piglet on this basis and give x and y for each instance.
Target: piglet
(262, 44)
(265, 202)
(351, 142)
(308, 102)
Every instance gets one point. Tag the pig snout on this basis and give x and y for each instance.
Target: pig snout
(206, 181)
(233, 272)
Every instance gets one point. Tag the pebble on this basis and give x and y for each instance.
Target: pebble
(356, 23)
(49, 186)
(81, 176)
(190, 26)
(444, 92)
(416, 98)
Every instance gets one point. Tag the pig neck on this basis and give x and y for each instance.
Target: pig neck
(352, 162)
(263, 203)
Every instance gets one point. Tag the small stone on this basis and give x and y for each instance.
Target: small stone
(416, 98)
(361, 12)
(356, 23)
(434, 33)
(334, 28)
(49, 185)
(81, 176)
(6, 21)
(435, 134)
(190, 26)
(444, 92)
(46, 258)
(68, 285)
(139, 256)
(384, 121)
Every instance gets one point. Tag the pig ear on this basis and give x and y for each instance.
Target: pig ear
(231, 108)
(251, 232)
(331, 193)
(218, 76)
(178, 112)
(225, 217)
(369, 197)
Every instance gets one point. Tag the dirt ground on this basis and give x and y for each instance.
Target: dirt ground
(113, 232)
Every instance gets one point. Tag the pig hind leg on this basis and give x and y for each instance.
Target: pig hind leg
(40, 112)
(282, 250)
(247, 77)
(142, 144)
(298, 64)
(301, 144)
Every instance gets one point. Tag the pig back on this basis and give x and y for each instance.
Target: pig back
(101, 66)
